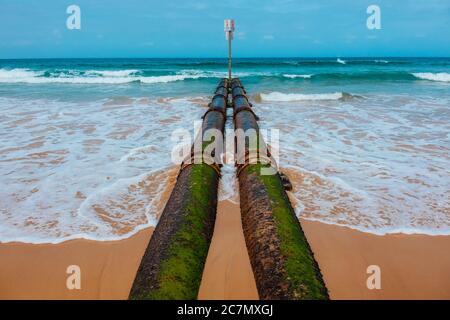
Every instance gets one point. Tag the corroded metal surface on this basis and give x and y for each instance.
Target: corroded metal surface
(261, 238)
(166, 242)
(173, 262)
(282, 261)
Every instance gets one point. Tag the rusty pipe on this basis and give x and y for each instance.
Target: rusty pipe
(172, 265)
(282, 261)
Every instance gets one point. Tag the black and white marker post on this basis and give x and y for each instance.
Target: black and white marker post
(229, 30)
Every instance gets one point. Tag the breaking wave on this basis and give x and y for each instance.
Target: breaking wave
(294, 76)
(64, 76)
(89, 77)
(286, 97)
(441, 76)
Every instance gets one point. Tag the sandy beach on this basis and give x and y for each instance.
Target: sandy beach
(412, 266)
(38, 271)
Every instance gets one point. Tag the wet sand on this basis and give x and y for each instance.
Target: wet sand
(228, 274)
(412, 266)
(38, 271)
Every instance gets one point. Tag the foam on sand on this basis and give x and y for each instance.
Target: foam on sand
(83, 170)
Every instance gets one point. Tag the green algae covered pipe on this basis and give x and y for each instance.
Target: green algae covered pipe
(173, 262)
(282, 261)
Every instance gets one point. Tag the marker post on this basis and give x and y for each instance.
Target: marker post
(229, 30)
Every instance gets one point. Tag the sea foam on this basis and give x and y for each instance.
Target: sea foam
(286, 97)
(17, 73)
(378, 164)
(294, 76)
(112, 73)
(90, 77)
(441, 76)
(87, 170)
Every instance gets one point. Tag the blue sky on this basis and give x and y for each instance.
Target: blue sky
(175, 28)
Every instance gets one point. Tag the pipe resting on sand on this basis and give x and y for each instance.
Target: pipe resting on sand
(281, 259)
(173, 262)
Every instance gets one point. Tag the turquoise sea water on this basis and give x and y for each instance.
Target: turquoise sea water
(64, 79)
(85, 143)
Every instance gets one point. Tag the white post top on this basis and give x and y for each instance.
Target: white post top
(229, 25)
(229, 30)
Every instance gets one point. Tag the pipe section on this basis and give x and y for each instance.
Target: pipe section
(282, 261)
(173, 262)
